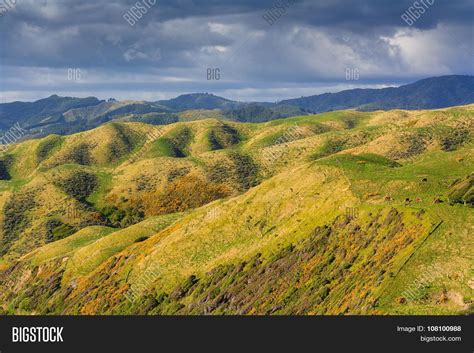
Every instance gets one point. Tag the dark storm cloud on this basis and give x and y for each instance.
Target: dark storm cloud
(176, 41)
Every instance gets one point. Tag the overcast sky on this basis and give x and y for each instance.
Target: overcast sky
(310, 49)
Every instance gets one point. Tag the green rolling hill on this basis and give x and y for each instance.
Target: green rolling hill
(345, 212)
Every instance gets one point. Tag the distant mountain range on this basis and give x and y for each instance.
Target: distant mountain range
(200, 101)
(430, 93)
(66, 115)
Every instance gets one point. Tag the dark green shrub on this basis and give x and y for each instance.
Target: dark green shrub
(179, 140)
(331, 147)
(80, 155)
(139, 240)
(47, 146)
(246, 170)
(177, 172)
(79, 185)
(57, 230)
(452, 140)
(223, 136)
(122, 218)
(16, 218)
(4, 166)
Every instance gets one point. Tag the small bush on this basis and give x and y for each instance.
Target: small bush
(47, 146)
(454, 139)
(246, 170)
(123, 218)
(177, 172)
(330, 147)
(139, 240)
(5, 163)
(79, 185)
(80, 155)
(223, 136)
(16, 218)
(178, 141)
(57, 230)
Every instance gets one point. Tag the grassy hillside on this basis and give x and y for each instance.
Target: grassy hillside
(338, 213)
